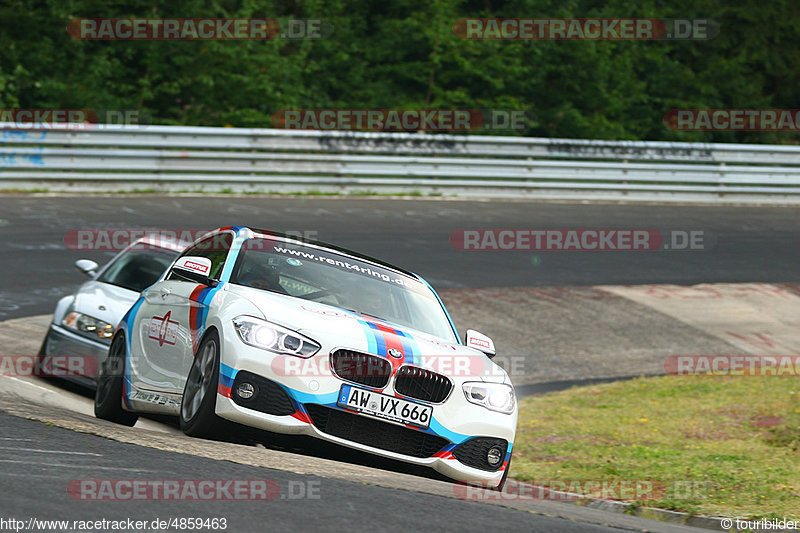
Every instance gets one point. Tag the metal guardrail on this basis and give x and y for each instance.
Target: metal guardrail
(268, 160)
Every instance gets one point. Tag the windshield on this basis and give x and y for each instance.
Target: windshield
(341, 281)
(137, 269)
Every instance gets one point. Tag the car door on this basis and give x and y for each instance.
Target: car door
(171, 320)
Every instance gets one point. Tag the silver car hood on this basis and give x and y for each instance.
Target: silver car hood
(103, 301)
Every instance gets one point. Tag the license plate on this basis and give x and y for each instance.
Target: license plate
(385, 406)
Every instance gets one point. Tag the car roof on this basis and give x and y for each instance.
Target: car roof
(160, 242)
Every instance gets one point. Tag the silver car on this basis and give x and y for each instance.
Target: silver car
(84, 322)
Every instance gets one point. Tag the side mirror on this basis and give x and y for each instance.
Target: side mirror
(479, 341)
(193, 268)
(87, 266)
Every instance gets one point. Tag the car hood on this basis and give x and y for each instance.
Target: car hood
(335, 328)
(103, 301)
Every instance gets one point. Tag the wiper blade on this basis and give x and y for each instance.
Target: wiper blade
(363, 313)
(316, 294)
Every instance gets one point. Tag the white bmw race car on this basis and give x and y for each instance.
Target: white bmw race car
(307, 338)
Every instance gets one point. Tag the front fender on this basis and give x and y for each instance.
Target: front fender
(62, 307)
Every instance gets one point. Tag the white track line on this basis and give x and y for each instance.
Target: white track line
(37, 450)
(87, 466)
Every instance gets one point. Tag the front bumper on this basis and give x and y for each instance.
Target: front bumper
(61, 341)
(454, 422)
(442, 461)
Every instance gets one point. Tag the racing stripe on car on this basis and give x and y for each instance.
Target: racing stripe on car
(385, 342)
(204, 298)
(391, 339)
(382, 338)
(202, 295)
(372, 342)
(299, 411)
(193, 316)
(410, 347)
(227, 375)
(508, 456)
(446, 452)
(129, 318)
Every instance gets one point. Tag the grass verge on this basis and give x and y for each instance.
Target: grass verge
(720, 446)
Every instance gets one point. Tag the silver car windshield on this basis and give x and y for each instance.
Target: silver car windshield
(341, 281)
(137, 269)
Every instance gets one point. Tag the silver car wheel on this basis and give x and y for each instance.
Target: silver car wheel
(198, 382)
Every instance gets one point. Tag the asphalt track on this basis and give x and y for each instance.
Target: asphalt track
(311, 484)
(744, 244)
(41, 476)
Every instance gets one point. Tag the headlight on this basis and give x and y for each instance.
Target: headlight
(495, 396)
(89, 326)
(272, 337)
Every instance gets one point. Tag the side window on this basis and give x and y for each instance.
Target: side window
(215, 248)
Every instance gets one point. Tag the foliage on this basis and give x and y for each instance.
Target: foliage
(404, 54)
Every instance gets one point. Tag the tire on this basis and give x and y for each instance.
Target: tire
(199, 399)
(108, 396)
(499, 488)
(40, 359)
(42, 350)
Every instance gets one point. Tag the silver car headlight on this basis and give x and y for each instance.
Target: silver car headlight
(494, 396)
(89, 326)
(277, 339)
